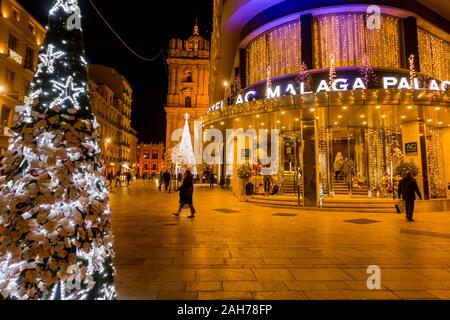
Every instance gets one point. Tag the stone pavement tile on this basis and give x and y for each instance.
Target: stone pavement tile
(225, 296)
(272, 274)
(397, 262)
(361, 285)
(204, 286)
(278, 261)
(137, 295)
(194, 261)
(317, 285)
(315, 261)
(128, 273)
(370, 295)
(289, 253)
(433, 274)
(387, 274)
(347, 253)
(320, 274)
(244, 261)
(167, 286)
(177, 296)
(206, 253)
(225, 275)
(280, 295)
(245, 253)
(254, 286)
(326, 295)
(416, 285)
(441, 294)
(147, 274)
(415, 295)
(125, 261)
(176, 275)
(158, 262)
(161, 253)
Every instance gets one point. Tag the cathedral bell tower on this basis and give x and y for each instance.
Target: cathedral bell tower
(188, 92)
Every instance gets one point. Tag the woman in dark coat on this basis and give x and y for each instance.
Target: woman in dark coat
(186, 192)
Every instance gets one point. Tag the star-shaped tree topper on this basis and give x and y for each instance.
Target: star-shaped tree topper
(68, 6)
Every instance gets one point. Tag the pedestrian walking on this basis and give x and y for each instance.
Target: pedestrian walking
(267, 181)
(186, 194)
(128, 178)
(118, 179)
(407, 191)
(160, 180)
(211, 179)
(167, 177)
(110, 179)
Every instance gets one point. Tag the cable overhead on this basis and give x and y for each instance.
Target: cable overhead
(121, 40)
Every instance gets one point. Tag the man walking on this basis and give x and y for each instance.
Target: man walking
(118, 179)
(128, 179)
(167, 177)
(160, 180)
(407, 191)
(110, 179)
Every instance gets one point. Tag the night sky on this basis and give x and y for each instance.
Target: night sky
(146, 30)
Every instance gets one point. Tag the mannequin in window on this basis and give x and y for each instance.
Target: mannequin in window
(188, 102)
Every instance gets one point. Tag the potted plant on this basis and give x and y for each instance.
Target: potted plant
(245, 172)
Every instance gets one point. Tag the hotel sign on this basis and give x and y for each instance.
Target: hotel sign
(15, 56)
(347, 80)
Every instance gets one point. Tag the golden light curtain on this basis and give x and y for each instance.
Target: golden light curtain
(278, 48)
(347, 37)
(434, 54)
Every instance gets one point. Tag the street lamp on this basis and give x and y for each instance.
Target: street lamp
(107, 142)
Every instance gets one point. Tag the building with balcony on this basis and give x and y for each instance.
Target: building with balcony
(353, 92)
(150, 159)
(111, 99)
(21, 36)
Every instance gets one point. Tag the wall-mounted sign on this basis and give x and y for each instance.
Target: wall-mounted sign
(15, 56)
(411, 148)
(347, 79)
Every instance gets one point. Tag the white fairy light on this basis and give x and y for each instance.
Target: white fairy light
(68, 92)
(68, 6)
(48, 59)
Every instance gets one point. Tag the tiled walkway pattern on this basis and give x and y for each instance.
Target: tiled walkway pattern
(251, 252)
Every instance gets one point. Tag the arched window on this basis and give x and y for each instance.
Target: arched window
(188, 102)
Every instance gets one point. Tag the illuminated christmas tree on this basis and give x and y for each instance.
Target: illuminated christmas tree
(184, 154)
(55, 229)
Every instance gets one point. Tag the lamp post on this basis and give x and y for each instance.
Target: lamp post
(107, 142)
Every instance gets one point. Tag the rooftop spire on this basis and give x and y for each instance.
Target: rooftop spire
(196, 29)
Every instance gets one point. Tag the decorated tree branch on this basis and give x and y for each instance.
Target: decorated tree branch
(55, 228)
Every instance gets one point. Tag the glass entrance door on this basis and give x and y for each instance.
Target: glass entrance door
(291, 169)
(349, 161)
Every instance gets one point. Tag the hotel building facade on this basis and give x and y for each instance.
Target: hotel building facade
(20, 39)
(359, 93)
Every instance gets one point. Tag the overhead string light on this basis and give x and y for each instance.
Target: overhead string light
(160, 53)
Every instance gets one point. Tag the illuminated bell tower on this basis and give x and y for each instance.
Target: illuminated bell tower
(188, 92)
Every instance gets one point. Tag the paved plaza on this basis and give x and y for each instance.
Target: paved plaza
(234, 250)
